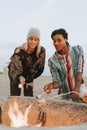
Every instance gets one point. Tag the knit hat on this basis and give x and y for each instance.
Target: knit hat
(34, 32)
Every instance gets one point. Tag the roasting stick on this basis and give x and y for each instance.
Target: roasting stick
(42, 98)
(42, 94)
(68, 101)
(59, 96)
(65, 94)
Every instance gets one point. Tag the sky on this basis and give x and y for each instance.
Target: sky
(18, 16)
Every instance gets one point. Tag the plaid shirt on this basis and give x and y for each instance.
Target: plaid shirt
(57, 64)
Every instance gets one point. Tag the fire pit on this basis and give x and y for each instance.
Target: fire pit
(18, 111)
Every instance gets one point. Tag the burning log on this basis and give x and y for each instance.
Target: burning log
(17, 112)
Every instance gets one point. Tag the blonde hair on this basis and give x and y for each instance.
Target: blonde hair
(25, 47)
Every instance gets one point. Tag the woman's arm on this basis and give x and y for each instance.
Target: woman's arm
(15, 68)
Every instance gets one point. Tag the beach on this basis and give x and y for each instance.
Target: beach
(38, 89)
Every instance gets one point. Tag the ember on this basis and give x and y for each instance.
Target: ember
(17, 112)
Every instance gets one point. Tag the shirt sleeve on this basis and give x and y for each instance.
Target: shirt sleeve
(54, 72)
(80, 59)
(15, 68)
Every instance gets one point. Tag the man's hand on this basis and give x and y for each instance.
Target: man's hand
(75, 95)
(48, 88)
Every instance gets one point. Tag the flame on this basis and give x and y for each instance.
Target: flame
(18, 119)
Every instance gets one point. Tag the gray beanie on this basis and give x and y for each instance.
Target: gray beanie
(34, 32)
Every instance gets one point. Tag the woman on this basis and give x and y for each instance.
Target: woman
(27, 63)
(66, 65)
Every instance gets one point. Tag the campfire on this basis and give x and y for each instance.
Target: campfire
(17, 117)
(21, 111)
(18, 112)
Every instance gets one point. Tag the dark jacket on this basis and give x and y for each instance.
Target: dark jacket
(28, 65)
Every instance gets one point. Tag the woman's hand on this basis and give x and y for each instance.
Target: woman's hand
(29, 84)
(22, 80)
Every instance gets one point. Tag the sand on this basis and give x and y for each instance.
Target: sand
(38, 89)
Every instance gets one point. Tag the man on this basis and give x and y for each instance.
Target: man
(66, 66)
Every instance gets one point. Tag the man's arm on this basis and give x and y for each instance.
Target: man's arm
(78, 81)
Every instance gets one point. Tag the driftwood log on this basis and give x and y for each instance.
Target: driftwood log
(48, 114)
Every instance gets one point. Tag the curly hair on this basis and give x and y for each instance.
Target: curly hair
(60, 31)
